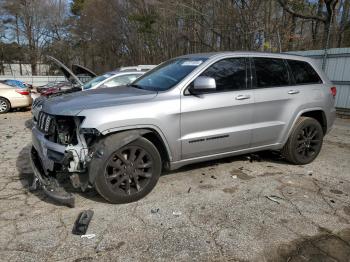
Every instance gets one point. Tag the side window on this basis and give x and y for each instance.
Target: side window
(270, 72)
(303, 73)
(229, 74)
(121, 80)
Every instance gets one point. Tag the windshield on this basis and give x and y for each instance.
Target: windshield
(168, 74)
(96, 80)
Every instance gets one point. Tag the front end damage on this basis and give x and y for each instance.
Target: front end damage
(61, 150)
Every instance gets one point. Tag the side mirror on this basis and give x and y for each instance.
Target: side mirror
(204, 84)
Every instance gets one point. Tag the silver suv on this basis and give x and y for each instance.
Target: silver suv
(189, 109)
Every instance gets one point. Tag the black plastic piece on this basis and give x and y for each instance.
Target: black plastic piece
(82, 223)
(50, 185)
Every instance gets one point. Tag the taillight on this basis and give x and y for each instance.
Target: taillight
(333, 91)
(22, 92)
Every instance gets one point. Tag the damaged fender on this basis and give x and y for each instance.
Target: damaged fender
(100, 151)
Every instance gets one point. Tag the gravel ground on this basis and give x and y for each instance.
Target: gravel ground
(228, 210)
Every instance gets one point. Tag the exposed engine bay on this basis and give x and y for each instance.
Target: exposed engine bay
(70, 155)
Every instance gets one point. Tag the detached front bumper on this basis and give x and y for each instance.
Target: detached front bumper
(49, 185)
(44, 157)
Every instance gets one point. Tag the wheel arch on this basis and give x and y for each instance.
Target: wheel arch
(7, 100)
(126, 136)
(310, 112)
(318, 115)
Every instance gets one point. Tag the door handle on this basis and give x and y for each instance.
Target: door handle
(293, 92)
(242, 97)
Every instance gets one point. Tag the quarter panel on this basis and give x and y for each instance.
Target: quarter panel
(276, 110)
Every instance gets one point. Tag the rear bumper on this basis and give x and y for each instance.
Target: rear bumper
(331, 119)
(23, 101)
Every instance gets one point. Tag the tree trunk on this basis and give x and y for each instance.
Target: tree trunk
(317, 25)
(343, 22)
(292, 33)
(18, 42)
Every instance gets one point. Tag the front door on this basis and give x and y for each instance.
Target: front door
(219, 121)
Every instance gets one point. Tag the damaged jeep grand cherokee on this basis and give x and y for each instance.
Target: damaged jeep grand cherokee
(189, 109)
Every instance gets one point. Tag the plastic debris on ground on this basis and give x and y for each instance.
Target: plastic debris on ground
(275, 199)
(154, 211)
(82, 223)
(177, 213)
(88, 236)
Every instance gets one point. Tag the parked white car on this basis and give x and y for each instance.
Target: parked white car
(123, 76)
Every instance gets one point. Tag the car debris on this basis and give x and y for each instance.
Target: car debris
(82, 223)
(234, 176)
(88, 236)
(177, 213)
(274, 198)
(154, 211)
(34, 184)
(254, 157)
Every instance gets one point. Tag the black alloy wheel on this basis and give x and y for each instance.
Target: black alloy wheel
(305, 141)
(129, 173)
(308, 142)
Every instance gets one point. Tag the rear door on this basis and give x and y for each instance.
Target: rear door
(218, 121)
(271, 86)
(278, 98)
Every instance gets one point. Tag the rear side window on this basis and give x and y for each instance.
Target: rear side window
(270, 72)
(303, 73)
(229, 74)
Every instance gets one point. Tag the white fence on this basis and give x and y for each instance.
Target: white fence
(34, 80)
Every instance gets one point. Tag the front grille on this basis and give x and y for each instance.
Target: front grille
(44, 122)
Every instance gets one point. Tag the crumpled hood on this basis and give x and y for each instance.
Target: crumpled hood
(72, 104)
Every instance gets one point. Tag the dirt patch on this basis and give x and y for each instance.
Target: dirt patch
(271, 174)
(230, 190)
(322, 247)
(335, 191)
(84, 259)
(346, 210)
(339, 144)
(206, 186)
(240, 174)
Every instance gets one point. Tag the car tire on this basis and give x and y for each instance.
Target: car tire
(129, 173)
(305, 141)
(4, 105)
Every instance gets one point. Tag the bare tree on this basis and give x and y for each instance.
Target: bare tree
(33, 22)
(323, 17)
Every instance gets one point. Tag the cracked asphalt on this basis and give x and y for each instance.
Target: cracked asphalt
(246, 208)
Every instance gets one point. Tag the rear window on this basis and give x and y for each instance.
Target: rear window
(303, 72)
(270, 72)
